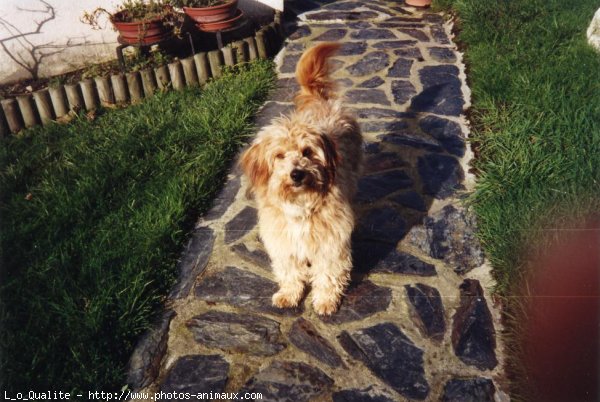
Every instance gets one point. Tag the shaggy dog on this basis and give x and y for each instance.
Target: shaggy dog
(303, 170)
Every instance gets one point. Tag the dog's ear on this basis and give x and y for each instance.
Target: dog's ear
(255, 165)
(331, 157)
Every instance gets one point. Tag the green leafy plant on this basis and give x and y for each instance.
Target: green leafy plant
(133, 11)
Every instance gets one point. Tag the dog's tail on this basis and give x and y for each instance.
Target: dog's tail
(312, 74)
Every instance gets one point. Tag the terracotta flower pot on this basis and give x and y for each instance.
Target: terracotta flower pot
(204, 15)
(142, 32)
(418, 3)
(220, 25)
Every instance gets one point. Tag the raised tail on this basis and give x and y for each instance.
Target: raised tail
(312, 73)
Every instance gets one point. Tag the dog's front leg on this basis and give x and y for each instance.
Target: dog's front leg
(290, 278)
(330, 276)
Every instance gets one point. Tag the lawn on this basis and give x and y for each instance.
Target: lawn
(536, 130)
(94, 216)
(535, 117)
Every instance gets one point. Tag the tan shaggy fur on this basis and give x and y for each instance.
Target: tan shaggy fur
(303, 169)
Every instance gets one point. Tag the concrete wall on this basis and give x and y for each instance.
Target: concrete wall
(48, 38)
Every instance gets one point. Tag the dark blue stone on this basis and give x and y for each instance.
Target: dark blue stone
(473, 334)
(397, 262)
(298, 32)
(400, 68)
(270, 110)
(439, 34)
(376, 96)
(341, 15)
(376, 186)
(452, 238)
(372, 82)
(402, 91)
(442, 54)
(358, 395)
(349, 5)
(404, 19)
(415, 33)
(383, 224)
(391, 356)
(476, 389)
(332, 35)
(371, 147)
(427, 305)
(378, 113)
(352, 48)
(412, 140)
(289, 63)
(384, 126)
(257, 257)
(241, 224)
(383, 161)
(360, 301)
(441, 91)
(305, 337)
(360, 25)
(144, 364)
(194, 261)
(288, 381)
(447, 132)
(442, 175)
(410, 53)
(285, 91)
(369, 64)
(436, 18)
(394, 44)
(237, 333)
(242, 289)
(412, 200)
(224, 199)
(196, 374)
(373, 34)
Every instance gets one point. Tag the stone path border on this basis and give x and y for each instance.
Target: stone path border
(417, 322)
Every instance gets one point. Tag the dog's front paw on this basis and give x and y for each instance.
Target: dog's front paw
(325, 307)
(283, 299)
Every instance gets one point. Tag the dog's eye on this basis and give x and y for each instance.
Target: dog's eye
(307, 152)
(279, 155)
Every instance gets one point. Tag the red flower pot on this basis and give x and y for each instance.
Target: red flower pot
(205, 15)
(141, 32)
(220, 25)
(418, 3)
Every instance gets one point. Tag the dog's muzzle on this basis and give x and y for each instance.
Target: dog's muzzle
(297, 176)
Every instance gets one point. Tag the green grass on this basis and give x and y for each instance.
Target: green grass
(536, 120)
(536, 128)
(90, 254)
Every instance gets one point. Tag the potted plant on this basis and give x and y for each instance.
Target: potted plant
(139, 22)
(211, 15)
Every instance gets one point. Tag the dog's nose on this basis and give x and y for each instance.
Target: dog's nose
(297, 175)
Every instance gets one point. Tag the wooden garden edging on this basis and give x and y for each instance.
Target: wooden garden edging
(52, 103)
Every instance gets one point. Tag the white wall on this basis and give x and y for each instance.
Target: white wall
(73, 42)
(276, 4)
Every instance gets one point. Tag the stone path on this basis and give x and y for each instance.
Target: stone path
(417, 322)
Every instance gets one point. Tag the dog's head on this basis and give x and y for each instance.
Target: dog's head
(289, 159)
